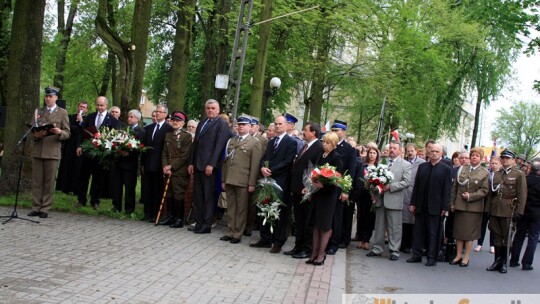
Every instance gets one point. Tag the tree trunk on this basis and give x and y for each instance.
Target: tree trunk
(319, 76)
(258, 86)
(108, 72)
(215, 50)
(178, 73)
(5, 11)
(476, 118)
(139, 38)
(24, 70)
(123, 52)
(64, 31)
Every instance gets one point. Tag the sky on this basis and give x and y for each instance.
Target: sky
(526, 70)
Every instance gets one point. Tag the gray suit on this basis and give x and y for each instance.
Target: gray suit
(388, 216)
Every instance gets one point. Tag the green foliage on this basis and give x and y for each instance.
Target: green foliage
(518, 127)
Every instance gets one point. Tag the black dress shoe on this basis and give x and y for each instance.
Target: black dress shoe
(202, 231)
(319, 263)
(301, 254)
(275, 249)
(526, 267)
(234, 241)
(372, 254)
(292, 251)
(463, 264)
(332, 250)
(415, 259)
(192, 228)
(431, 262)
(406, 250)
(34, 213)
(225, 238)
(43, 215)
(177, 224)
(261, 244)
(167, 221)
(247, 232)
(394, 257)
(454, 262)
(514, 264)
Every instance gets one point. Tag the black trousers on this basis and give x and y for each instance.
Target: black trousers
(426, 228)
(91, 167)
(153, 185)
(279, 236)
(303, 215)
(203, 199)
(346, 226)
(406, 236)
(120, 179)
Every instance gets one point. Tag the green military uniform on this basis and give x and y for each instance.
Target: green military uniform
(468, 213)
(176, 153)
(45, 157)
(507, 197)
(240, 170)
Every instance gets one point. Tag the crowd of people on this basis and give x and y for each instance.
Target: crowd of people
(433, 204)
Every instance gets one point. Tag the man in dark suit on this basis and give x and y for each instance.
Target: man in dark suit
(124, 172)
(276, 163)
(343, 215)
(429, 202)
(151, 165)
(91, 167)
(70, 164)
(206, 158)
(311, 150)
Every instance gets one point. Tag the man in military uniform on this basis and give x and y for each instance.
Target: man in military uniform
(46, 151)
(291, 121)
(505, 203)
(240, 172)
(175, 160)
(343, 216)
(252, 209)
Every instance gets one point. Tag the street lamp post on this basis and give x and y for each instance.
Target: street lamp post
(409, 137)
(275, 83)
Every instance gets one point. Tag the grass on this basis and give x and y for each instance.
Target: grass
(68, 203)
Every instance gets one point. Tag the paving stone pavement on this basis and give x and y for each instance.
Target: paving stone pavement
(70, 258)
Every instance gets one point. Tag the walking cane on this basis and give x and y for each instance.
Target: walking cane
(163, 198)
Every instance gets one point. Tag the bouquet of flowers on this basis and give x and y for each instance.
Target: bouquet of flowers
(375, 180)
(108, 144)
(326, 175)
(267, 199)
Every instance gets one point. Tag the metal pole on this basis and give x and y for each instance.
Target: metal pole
(381, 120)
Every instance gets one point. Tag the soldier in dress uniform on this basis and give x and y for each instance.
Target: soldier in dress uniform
(175, 160)
(46, 151)
(506, 203)
(240, 173)
(291, 121)
(256, 132)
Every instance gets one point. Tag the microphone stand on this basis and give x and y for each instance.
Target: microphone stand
(14, 214)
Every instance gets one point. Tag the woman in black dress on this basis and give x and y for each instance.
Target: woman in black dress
(324, 201)
(361, 196)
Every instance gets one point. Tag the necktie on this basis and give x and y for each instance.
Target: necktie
(276, 143)
(206, 123)
(99, 120)
(390, 163)
(303, 150)
(156, 129)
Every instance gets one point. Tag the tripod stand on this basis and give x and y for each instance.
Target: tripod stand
(14, 214)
